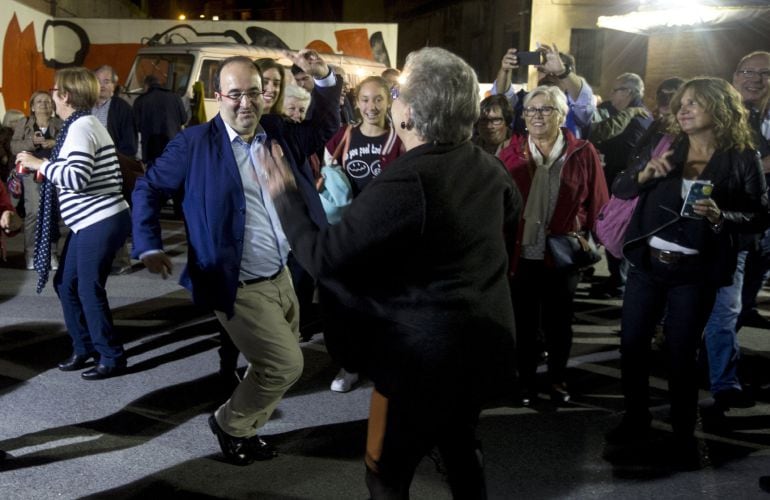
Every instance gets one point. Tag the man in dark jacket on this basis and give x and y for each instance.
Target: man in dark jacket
(238, 252)
(160, 115)
(114, 112)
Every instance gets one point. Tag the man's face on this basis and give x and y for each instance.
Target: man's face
(106, 85)
(305, 81)
(751, 79)
(238, 109)
(621, 96)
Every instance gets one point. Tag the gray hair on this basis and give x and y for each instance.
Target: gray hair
(442, 92)
(107, 67)
(553, 95)
(296, 92)
(634, 82)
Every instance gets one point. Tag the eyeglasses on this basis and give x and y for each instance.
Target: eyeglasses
(52, 90)
(395, 92)
(544, 111)
(496, 121)
(620, 89)
(753, 73)
(251, 95)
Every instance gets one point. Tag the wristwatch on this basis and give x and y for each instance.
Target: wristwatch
(567, 71)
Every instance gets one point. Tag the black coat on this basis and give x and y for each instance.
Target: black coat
(417, 269)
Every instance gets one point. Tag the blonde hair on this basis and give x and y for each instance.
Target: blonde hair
(724, 104)
(81, 86)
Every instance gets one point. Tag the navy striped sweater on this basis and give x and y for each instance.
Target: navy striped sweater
(87, 175)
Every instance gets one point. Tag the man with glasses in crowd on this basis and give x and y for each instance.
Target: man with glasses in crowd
(237, 248)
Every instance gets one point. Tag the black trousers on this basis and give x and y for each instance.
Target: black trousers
(410, 432)
(679, 289)
(543, 302)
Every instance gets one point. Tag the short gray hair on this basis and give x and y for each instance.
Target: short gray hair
(296, 92)
(442, 92)
(555, 97)
(634, 83)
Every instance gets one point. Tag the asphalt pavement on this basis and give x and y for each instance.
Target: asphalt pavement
(144, 434)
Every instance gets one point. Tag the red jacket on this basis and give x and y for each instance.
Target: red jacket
(583, 189)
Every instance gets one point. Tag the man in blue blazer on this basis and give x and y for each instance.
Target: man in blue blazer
(237, 251)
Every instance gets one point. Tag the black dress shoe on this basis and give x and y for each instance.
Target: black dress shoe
(260, 450)
(241, 451)
(101, 372)
(74, 362)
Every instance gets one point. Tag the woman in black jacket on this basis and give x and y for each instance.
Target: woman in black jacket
(679, 261)
(417, 269)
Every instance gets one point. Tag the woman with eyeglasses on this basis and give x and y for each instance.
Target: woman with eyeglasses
(35, 134)
(83, 171)
(681, 253)
(494, 125)
(562, 182)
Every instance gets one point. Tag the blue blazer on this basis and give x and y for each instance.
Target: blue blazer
(199, 163)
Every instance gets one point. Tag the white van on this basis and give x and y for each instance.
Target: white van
(179, 66)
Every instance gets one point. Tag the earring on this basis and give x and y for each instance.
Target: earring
(408, 125)
(403, 125)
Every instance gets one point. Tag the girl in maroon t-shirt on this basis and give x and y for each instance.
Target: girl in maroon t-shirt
(373, 143)
(369, 147)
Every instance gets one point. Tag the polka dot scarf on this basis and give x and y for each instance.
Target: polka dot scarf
(47, 228)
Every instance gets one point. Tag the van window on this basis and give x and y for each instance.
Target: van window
(209, 68)
(173, 71)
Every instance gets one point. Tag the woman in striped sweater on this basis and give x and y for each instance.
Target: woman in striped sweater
(84, 171)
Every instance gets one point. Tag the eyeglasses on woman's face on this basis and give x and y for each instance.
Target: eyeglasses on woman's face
(542, 111)
(496, 121)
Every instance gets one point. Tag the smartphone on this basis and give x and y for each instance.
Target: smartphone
(535, 58)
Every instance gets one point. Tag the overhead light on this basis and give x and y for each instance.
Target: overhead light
(215, 18)
(202, 16)
(182, 17)
(686, 13)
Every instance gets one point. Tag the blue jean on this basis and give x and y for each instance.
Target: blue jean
(80, 285)
(757, 272)
(720, 333)
(680, 291)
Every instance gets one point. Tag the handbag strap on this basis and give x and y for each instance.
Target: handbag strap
(662, 146)
(342, 147)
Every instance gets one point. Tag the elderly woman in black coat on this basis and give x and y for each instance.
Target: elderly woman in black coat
(418, 266)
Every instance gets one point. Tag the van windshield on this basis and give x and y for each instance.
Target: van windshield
(172, 70)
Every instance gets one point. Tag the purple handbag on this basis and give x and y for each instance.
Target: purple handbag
(614, 216)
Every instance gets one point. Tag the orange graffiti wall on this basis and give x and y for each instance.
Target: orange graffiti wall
(23, 68)
(118, 55)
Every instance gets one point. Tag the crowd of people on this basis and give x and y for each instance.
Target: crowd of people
(477, 193)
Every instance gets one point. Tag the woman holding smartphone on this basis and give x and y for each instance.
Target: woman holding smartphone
(35, 134)
(679, 262)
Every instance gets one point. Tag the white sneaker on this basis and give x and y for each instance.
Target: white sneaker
(344, 381)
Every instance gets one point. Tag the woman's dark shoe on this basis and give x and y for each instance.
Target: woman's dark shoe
(101, 372)
(74, 362)
(559, 394)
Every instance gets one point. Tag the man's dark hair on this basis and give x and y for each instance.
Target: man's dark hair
(296, 69)
(233, 60)
(151, 80)
(666, 90)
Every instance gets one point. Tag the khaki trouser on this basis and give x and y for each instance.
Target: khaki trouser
(265, 328)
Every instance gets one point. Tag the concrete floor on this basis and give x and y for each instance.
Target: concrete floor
(144, 435)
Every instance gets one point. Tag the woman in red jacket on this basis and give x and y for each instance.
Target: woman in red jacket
(562, 183)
